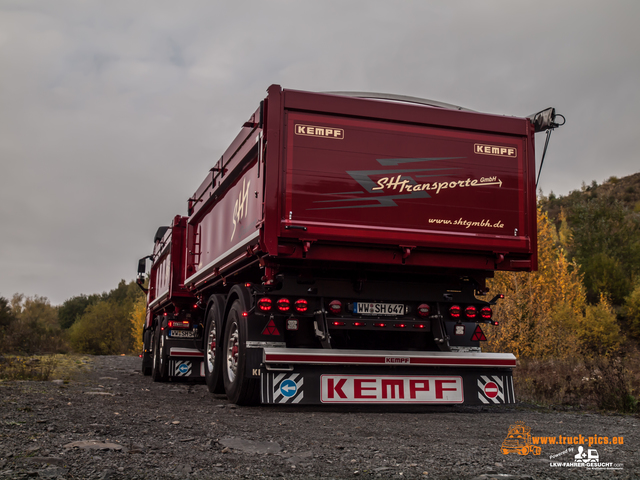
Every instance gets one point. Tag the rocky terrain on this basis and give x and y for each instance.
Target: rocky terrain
(115, 423)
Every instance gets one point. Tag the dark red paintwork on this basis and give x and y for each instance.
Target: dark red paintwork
(333, 179)
(166, 278)
(325, 178)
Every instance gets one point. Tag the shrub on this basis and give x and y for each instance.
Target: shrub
(104, 329)
(33, 327)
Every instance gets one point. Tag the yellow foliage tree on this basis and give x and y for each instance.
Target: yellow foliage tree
(138, 316)
(545, 313)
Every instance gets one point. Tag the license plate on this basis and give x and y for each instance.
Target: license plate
(182, 334)
(368, 308)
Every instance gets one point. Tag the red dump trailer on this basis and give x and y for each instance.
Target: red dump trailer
(338, 252)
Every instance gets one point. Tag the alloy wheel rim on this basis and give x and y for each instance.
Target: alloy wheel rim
(211, 345)
(232, 352)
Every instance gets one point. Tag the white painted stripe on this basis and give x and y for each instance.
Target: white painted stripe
(159, 299)
(185, 352)
(238, 246)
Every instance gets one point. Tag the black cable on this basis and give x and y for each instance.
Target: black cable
(544, 152)
(546, 143)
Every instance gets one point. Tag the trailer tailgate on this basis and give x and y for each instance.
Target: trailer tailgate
(373, 181)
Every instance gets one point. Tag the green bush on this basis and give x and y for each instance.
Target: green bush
(103, 329)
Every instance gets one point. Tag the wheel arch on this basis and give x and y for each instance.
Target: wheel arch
(213, 300)
(238, 292)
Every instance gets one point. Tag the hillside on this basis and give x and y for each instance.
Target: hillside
(626, 190)
(598, 227)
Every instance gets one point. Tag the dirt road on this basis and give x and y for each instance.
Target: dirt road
(114, 423)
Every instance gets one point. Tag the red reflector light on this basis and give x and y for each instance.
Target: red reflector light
(284, 304)
(335, 306)
(247, 285)
(470, 311)
(486, 313)
(245, 314)
(359, 324)
(270, 329)
(264, 304)
(337, 324)
(454, 311)
(418, 325)
(478, 334)
(423, 310)
(301, 305)
(178, 324)
(381, 325)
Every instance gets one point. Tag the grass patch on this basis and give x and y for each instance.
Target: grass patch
(610, 384)
(42, 367)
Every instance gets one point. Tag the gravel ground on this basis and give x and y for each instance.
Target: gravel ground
(114, 423)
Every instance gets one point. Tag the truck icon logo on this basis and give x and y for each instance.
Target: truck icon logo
(591, 456)
(519, 441)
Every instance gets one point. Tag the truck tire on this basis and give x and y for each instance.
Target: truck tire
(147, 358)
(240, 389)
(213, 357)
(159, 368)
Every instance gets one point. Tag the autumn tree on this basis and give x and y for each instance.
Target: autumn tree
(105, 327)
(631, 312)
(74, 307)
(545, 313)
(33, 328)
(137, 317)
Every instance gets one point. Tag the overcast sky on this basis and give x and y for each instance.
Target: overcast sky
(112, 112)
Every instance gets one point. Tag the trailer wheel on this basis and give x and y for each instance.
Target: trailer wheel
(213, 350)
(147, 359)
(239, 388)
(159, 368)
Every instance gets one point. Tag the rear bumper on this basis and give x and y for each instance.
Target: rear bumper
(301, 376)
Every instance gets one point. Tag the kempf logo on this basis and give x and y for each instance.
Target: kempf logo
(324, 132)
(495, 150)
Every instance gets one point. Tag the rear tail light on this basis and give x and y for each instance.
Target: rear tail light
(337, 324)
(301, 305)
(423, 310)
(454, 311)
(418, 325)
(470, 311)
(178, 324)
(335, 306)
(486, 313)
(380, 325)
(400, 325)
(284, 304)
(264, 304)
(359, 324)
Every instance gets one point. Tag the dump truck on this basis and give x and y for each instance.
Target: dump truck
(339, 250)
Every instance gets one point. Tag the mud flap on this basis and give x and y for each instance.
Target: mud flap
(393, 385)
(282, 388)
(186, 368)
(496, 389)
